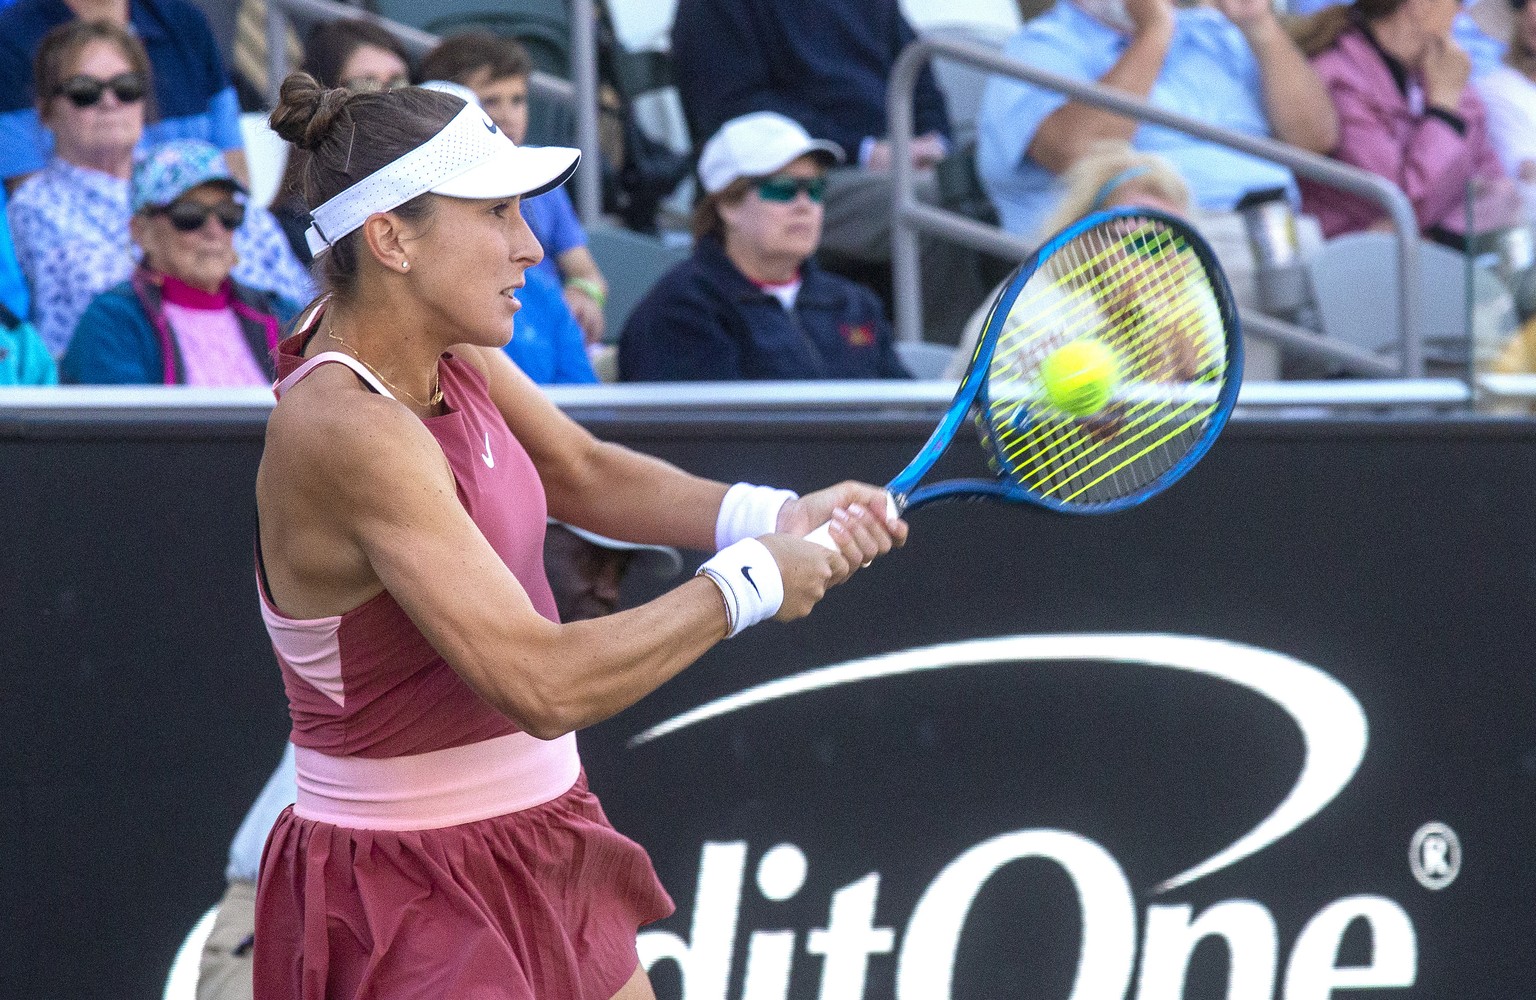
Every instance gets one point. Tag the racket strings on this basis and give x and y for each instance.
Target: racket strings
(1058, 457)
(1140, 289)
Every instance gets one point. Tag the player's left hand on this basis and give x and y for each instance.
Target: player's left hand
(860, 523)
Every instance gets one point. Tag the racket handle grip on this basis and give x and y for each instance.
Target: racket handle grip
(823, 535)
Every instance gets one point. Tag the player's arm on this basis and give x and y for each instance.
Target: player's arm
(610, 489)
(384, 479)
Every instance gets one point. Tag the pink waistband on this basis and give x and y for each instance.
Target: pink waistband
(442, 788)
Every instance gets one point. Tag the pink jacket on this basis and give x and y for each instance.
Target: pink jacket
(1387, 133)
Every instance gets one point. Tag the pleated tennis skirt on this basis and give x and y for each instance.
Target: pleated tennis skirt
(541, 903)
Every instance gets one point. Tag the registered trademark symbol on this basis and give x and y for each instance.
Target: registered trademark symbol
(1435, 856)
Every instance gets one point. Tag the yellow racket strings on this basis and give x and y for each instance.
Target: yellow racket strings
(1073, 465)
(1137, 287)
(1069, 459)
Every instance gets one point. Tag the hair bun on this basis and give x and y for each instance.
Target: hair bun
(307, 113)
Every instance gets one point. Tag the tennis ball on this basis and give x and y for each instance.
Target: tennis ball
(1080, 376)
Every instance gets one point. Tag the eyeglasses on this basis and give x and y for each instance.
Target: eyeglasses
(372, 84)
(84, 91)
(783, 189)
(189, 216)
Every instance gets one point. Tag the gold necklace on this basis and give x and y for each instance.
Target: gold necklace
(437, 387)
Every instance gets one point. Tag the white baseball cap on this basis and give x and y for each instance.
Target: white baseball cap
(663, 561)
(469, 158)
(755, 145)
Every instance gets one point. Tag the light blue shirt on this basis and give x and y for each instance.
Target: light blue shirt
(1209, 74)
(26, 145)
(251, 839)
(14, 294)
(553, 220)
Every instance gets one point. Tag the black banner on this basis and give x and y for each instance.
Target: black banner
(1268, 736)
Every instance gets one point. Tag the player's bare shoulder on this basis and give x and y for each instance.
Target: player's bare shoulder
(331, 434)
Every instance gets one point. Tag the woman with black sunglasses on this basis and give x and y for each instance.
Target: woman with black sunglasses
(751, 303)
(180, 319)
(71, 219)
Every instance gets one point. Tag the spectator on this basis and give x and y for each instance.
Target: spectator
(1114, 175)
(353, 54)
(546, 342)
(829, 73)
(14, 294)
(497, 70)
(23, 358)
(180, 320)
(193, 96)
(70, 221)
(356, 55)
(1111, 175)
(750, 303)
(1232, 66)
(1485, 48)
(1406, 112)
(1509, 92)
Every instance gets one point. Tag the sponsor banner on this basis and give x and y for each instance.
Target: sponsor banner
(1269, 736)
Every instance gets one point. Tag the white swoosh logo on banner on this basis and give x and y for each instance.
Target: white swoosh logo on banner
(1332, 723)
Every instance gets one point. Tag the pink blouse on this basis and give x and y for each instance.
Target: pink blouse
(1389, 132)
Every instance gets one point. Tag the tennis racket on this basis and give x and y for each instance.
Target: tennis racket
(1107, 366)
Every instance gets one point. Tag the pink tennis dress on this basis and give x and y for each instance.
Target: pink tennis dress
(435, 850)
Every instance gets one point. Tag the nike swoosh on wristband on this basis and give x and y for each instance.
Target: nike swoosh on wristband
(746, 571)
(1331, 723)
(490, 462)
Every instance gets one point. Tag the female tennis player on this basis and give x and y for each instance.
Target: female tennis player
(444, 842)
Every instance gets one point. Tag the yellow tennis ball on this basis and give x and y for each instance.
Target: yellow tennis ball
(1080, 376)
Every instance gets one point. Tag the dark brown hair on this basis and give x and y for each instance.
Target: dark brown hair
(1317, 34)
(61, 47)
(706, 219)
(345, 137)
(331, 44)
(461, 56)
(1519, 55)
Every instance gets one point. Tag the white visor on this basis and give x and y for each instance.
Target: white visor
(469, 158)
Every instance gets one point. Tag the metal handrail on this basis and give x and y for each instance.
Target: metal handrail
(34, 406)
(908, 216)
(580, 93)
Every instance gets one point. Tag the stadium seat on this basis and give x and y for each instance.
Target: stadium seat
(632, 263)
(542, 26)
(1354, 278)
(927, 361)
(963, 84)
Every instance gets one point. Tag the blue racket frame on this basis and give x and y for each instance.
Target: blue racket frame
(904, 487)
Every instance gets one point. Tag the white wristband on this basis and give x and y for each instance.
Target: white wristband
(748, 511)
(749, 581)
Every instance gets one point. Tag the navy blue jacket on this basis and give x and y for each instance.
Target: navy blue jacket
(705, 321)
(824, 64)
